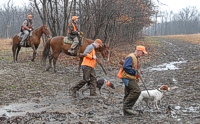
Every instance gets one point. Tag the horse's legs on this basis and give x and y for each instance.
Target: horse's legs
(34, 52)
(14, 52)
(50, 62)
(18, 49)
(55, 57)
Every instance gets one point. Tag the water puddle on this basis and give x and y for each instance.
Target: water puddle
(58, 103)
(166, 66)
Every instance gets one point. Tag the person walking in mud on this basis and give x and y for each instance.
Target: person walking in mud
(130, 78)
(88, 64)
(74, 34)
(26, 28)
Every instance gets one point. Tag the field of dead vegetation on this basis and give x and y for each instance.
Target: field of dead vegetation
(30, 95)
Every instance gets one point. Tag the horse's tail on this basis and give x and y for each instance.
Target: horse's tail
(46, 51)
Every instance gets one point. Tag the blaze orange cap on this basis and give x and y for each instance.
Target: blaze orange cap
(74, 17)
(142, 48)
(99, 41)
(30, 16)
(108, 83)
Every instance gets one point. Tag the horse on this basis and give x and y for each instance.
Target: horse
(33, 41)
(57, 46)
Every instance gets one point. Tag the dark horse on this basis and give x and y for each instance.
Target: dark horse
(57, 45)
(33, 41)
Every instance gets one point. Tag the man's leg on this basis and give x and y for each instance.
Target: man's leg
(93, 83)
(81, 83)
(74, 45)
(25, 36)
(132, 97)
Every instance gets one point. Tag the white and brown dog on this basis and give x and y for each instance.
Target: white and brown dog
(156, 94)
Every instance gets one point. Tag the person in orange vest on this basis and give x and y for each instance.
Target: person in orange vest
(130, 78)
(26, 28)
(88, 64)
(73, 33)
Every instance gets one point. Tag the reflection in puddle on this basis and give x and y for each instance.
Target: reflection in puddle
(47, 104)
(166, 66)
(17, 109)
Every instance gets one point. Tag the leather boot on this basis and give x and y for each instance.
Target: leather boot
(22, 43)
(129, 112)
(73, 92)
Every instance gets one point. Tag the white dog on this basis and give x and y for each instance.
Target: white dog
(156, 94)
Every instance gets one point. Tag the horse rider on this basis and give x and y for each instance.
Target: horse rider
(26, 28)
(74, 33)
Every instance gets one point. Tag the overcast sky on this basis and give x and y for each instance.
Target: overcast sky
(174, 5)
(177, 5)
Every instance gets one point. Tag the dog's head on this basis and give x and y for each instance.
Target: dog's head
(164, 87)
(109, 84)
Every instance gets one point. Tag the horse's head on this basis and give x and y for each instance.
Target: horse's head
(104, 50)
(46, 30)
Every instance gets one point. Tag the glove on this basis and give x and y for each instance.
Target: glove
(81, 33)
(81, 55)
(94, 57)
(136, 71)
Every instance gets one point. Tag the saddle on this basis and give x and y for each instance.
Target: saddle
(68, 40)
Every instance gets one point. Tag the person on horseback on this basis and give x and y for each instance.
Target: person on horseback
(26, 28)
(74, 33)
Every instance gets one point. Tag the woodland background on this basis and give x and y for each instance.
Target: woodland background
(109, 20)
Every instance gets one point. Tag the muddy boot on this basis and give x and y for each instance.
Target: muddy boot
(22, 43)
(73, 92)
(129, 112)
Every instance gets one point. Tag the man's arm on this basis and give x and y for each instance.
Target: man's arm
(128, 66)
(72, 30)
(87, 51)
(24, 24)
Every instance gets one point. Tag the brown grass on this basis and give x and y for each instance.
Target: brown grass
(5, 44)
(193, 38)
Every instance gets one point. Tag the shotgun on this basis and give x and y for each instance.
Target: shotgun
(101, 66)
(143, 82)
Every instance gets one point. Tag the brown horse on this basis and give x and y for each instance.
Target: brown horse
(57, 45)
(33, 41)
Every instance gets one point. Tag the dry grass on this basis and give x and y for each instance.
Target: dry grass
(5, 44)
(193, 38)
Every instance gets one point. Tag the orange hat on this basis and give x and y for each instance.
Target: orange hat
(74, 17)
(99, 41)
(142, 48)
(30, 16)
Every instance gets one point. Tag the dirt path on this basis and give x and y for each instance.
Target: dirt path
(30, 95)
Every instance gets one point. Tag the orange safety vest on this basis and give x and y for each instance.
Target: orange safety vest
(135, 65)
(75, 28)
(88, 60)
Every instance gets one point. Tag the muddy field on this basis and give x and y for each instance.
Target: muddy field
(28, 95)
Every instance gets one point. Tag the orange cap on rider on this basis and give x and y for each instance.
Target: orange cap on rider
(30, 16)
(74, 17)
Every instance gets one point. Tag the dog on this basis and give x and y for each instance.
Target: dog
(156, 94)
(100, 83)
